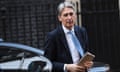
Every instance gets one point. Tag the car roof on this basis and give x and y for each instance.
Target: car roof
(23, 47)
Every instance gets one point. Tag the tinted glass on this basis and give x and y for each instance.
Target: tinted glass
(9, 54)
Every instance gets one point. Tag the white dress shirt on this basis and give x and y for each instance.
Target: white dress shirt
(73, 50)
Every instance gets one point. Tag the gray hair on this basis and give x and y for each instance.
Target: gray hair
(62, 5)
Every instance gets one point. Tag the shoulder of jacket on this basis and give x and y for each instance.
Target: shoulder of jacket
(80, 28)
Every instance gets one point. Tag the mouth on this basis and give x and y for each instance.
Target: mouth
(69, 21)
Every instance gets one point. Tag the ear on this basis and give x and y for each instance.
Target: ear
(59, 18)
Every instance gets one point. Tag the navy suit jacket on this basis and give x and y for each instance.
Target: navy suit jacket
(56, 47)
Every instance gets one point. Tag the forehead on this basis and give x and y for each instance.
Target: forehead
(67, 10)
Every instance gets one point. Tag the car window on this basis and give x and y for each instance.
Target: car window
(9, 54)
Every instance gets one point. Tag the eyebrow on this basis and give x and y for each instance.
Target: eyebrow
(66, 14)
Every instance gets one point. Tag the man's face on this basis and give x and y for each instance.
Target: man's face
(67, 17)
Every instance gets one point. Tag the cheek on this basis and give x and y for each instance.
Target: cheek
(75, 17)
(62, 19)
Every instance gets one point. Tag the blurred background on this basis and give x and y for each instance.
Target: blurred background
(28, 21)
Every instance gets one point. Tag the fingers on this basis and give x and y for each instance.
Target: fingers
(88, 64)
(75, 68)
(81, 69)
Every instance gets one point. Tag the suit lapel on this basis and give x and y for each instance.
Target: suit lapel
(64, 41)
(62, 37)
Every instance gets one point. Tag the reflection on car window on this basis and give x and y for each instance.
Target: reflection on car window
(9, 54)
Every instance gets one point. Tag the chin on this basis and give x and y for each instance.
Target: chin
(71, 25)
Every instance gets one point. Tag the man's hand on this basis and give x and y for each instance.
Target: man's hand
(75, 68)
(88, 64)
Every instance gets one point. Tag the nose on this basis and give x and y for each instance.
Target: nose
(69, 17)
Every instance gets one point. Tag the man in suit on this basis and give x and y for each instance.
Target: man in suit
(59, 47)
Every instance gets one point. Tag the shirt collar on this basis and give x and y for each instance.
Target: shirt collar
(67, 30)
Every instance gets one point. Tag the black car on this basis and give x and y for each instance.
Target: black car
(16, 57)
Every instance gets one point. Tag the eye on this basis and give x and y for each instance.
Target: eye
(71, 14)
(65, 15)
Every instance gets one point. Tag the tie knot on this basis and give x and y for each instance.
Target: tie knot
(70, 32)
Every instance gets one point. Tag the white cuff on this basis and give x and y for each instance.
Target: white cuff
(65, 70)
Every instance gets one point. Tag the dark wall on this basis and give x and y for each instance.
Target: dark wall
(101, 18)
(27, 21)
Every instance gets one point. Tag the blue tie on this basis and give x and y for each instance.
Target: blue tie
(76, 43)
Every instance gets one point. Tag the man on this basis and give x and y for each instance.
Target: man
(60, 48)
